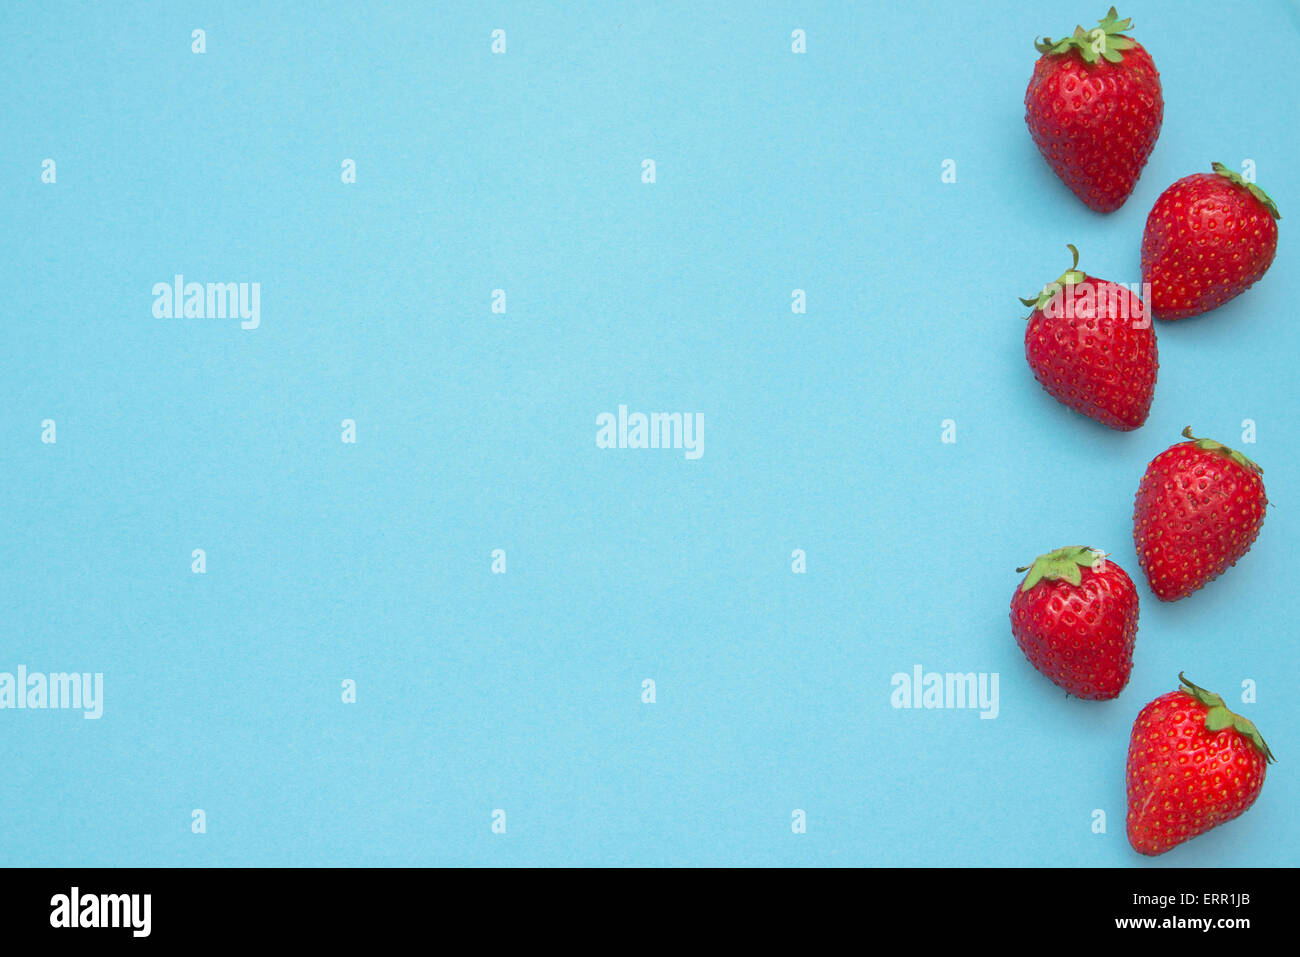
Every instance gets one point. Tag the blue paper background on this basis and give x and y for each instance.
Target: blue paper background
(522, 171)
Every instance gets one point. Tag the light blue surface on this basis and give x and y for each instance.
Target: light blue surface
(328, 561)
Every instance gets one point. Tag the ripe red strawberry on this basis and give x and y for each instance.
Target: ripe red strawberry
(1091, 345)
(1208, 239)
(1094, 109)
(1075, 618)
(1198, 510)
(1192, 765)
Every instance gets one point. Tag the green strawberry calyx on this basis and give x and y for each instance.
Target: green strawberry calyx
(1218, 717)
(1251, 188)
(1106, 40)
(1209, 445)
(1062, 563)
(1071, 277)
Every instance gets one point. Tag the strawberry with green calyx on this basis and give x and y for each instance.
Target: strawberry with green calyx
(1199, 508)
(1075, 618)
(1192, 765)
(1090, 344)
(1209, 238)
(1094, 107)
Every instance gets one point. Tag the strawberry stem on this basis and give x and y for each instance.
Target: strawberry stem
(1210, 445)
(1251, 188)
(1071, 277)
(1218, 716)
(1062, 563)
(1106, 40)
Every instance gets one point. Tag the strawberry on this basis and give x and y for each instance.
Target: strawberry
(1208, 239)
(1075, 618)
(1199, 508)
(1091, 345)
(1192, 765)
(1094, 109)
